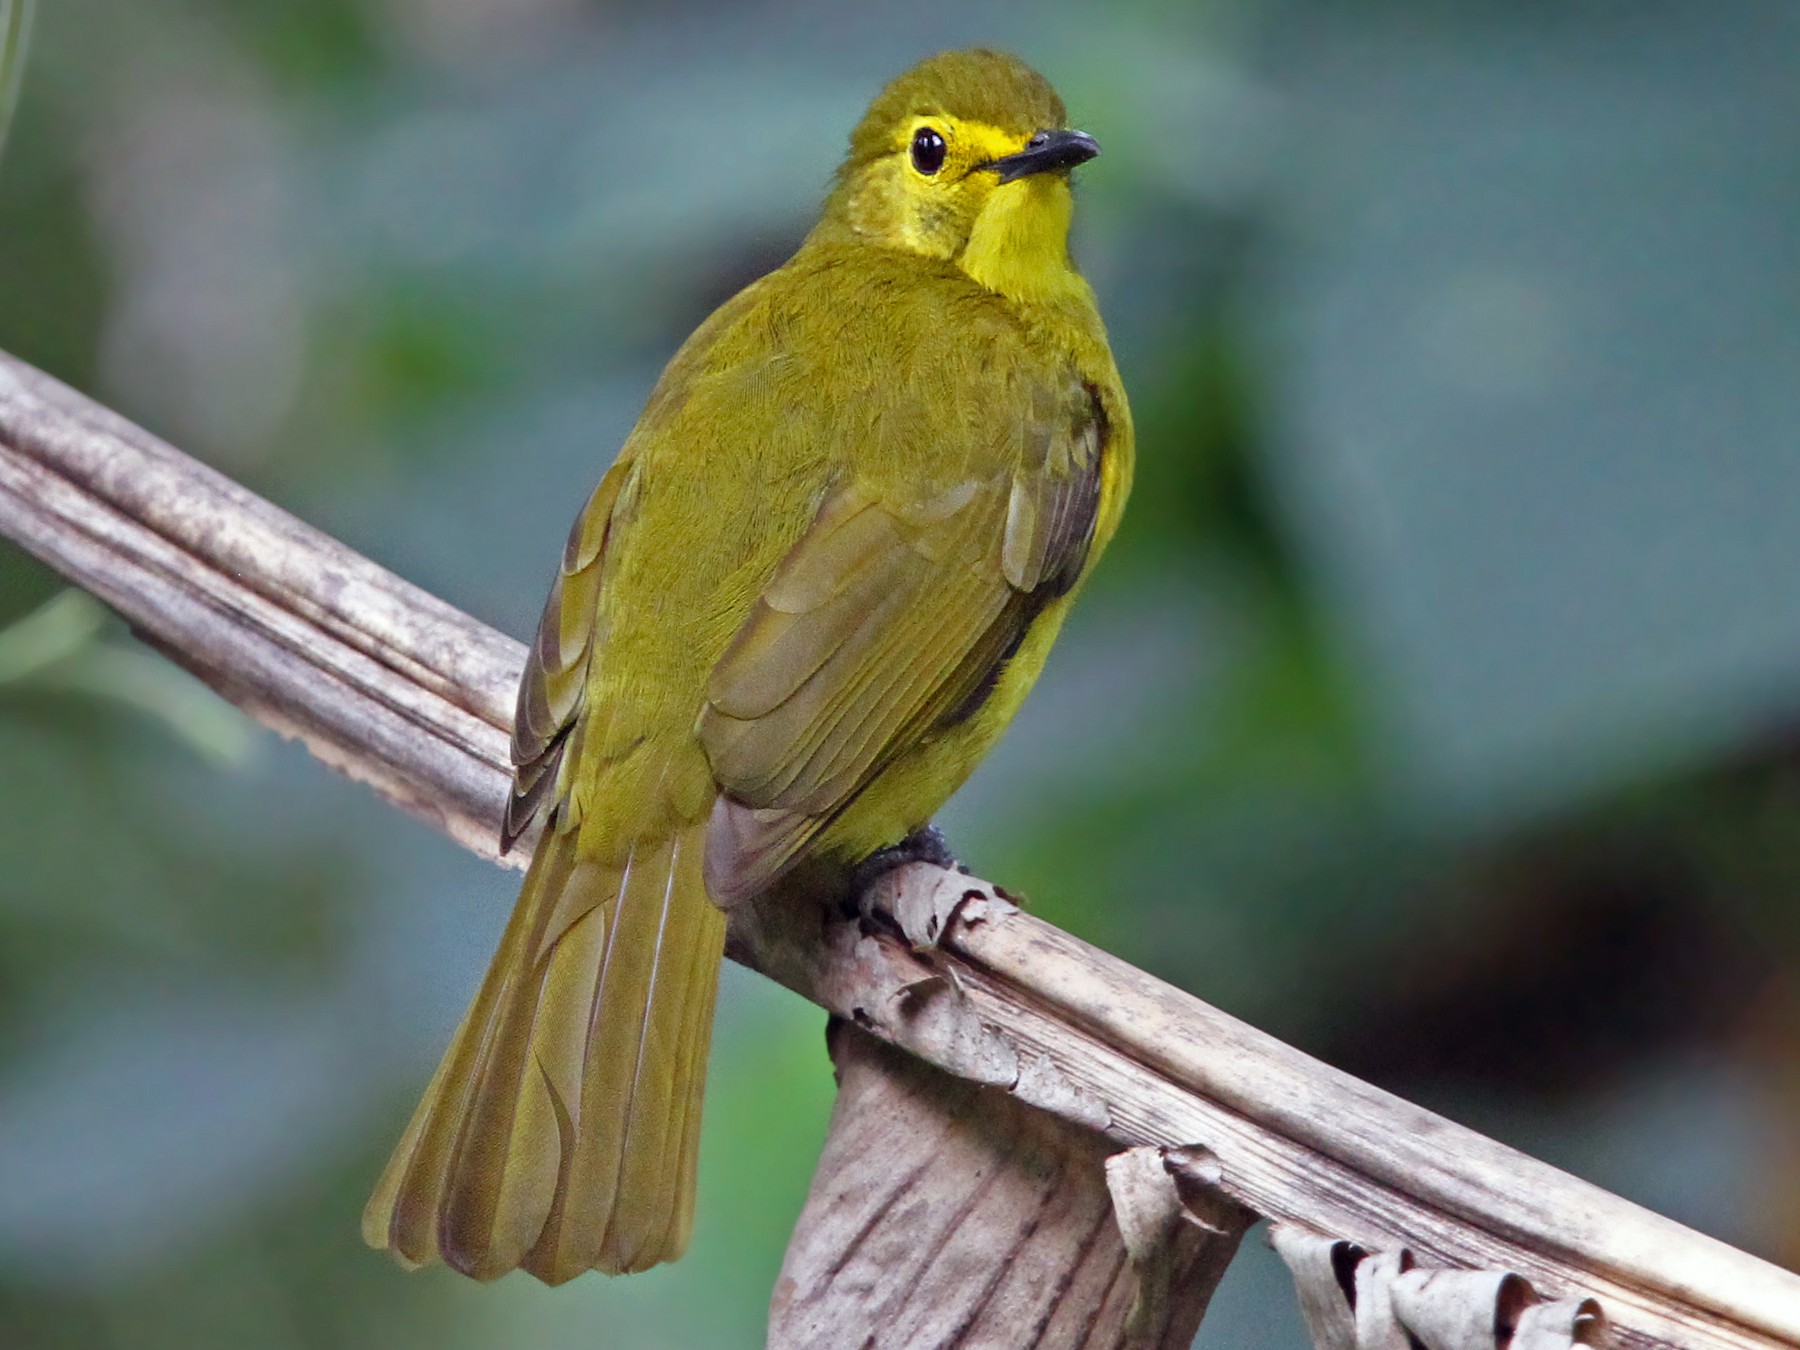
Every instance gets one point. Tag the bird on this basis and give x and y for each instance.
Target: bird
(811, 591)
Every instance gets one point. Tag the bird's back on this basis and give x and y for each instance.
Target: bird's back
(846, 366)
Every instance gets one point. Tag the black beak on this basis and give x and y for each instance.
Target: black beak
(1045, 151)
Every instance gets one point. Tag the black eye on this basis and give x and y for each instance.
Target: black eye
(927, 150)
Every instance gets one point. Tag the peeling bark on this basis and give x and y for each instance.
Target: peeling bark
(1353, 1299)
(946, 1213)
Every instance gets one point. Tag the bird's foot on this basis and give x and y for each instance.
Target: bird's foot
(923, 911)
(926, 844)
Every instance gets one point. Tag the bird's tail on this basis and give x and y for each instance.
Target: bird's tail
(560, 1132)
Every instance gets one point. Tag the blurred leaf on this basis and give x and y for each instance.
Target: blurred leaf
(60, 646)
(51, 633)
(15, 32)
(140, 679)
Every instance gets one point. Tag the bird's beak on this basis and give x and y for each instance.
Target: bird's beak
(1045, 151)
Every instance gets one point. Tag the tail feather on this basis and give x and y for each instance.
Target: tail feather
(406, 1209)
(559, 1132)
(640, 949)
(691, 1081)
(656, 1127)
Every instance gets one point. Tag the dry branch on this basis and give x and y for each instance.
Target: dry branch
(401, 691)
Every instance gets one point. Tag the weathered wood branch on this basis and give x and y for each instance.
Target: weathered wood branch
(399, 690)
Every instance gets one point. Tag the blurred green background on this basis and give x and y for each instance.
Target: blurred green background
(1439, 707)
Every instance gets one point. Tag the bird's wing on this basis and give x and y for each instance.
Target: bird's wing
(554, 688)
(886, 621)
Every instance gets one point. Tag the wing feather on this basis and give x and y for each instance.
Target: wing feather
(886, 621)
(553, 690)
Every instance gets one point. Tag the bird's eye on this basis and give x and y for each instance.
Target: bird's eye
(927, 150)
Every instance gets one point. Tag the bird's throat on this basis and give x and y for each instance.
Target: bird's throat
(1020, 243)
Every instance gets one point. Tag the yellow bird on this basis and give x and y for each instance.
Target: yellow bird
(807, 598)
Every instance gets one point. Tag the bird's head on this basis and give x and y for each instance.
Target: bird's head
(966, 158)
